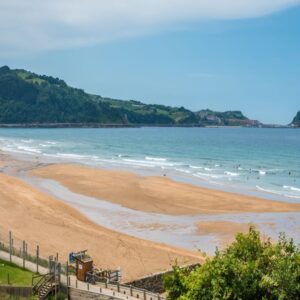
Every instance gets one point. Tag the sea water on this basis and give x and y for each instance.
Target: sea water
(254, 161)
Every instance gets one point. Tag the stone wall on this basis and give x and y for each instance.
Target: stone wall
(154, 283)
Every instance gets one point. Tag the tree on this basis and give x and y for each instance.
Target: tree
(250, 268)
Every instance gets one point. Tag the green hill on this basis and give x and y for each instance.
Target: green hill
(296, 120)
(28, 98)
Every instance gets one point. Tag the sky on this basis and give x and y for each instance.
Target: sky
(218, 54)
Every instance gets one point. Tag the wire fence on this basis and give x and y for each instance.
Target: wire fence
(15, 246)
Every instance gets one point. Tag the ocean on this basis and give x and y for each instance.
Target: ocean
(252, 161)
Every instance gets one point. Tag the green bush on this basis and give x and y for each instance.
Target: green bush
(250, 268)
(60, 296)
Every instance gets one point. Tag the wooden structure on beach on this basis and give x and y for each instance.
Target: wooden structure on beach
(84, 264)
(86, 271)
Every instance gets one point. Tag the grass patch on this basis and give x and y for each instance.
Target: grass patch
(17, 276)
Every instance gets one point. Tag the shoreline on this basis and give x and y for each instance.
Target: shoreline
(177, 227)
(38, 162)
(253, 179)
(233, 188)
(103, 125)
(144, 193)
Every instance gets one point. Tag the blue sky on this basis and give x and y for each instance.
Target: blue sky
(247, 63)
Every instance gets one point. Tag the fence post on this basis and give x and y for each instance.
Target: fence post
(37, 258)
(23, 254)
(50, 259)
(10, 246)
(144, 295)
(55, 270)
(67, 272)
(131, 291)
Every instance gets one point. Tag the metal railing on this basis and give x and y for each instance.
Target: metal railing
(117, 289)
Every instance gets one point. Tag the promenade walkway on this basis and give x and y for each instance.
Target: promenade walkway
(112, 291)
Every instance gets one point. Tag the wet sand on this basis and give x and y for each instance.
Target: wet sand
(56, 227)
(155, 194)
(224, 231)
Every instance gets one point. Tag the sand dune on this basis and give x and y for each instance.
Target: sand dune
(56, 227)
(155, 194)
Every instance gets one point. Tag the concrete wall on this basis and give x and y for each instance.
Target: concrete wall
(75, 294)
(154, 283)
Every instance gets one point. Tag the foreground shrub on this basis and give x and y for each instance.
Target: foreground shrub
(250, 268)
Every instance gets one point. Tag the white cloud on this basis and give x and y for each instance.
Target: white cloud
(35, 25)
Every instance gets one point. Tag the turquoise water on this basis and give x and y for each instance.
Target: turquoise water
(258, 161)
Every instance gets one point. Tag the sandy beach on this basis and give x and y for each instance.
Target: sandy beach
(155, 194)
(57, 227)
(41, 218)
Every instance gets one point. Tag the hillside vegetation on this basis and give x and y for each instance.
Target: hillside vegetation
(27, 98)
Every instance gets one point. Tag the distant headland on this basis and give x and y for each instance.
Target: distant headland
(31, 100)
(296, 120)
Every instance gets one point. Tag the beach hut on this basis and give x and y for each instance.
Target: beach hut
(84, 264)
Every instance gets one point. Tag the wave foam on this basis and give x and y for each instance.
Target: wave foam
(231, 173)
(29, 149)
(148, 163)
(208, 169)
(183, 171)
(195, 167)
(72, 155)
(155, 158)
(292, 188)
(276, 192)
(201, 175)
